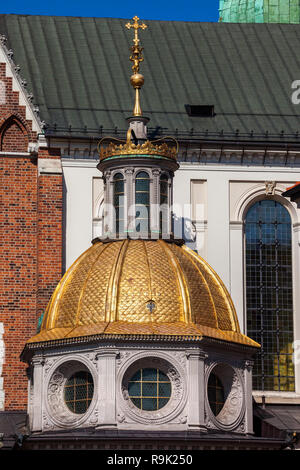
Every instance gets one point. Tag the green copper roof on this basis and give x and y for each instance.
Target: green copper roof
(260, 11)
(78, 70)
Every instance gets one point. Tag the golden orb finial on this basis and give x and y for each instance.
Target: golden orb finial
(137, 79)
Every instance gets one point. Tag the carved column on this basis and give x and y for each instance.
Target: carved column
(107, 388)
(196, 390)
(129, 201)
(248, 397)
(155, 203)
(37, 405)
(108, 200)
(111, 209)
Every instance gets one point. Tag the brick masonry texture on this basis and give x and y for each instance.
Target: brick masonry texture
(30, 244)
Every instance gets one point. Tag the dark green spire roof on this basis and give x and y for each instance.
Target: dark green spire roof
(260, 11)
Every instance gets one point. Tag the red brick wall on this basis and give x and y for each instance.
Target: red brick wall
(18, 263)
(50, 209)
(30, 242)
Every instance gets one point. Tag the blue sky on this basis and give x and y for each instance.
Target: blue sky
(188, 10)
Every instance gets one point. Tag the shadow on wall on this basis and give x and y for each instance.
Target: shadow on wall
(183, 228)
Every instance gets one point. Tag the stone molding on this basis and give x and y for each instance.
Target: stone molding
(233, 413)
(56, 413)
(128, 412)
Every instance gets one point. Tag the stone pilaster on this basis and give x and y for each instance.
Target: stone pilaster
(107, 388)
(248, 397)
(196, 390)
(38, 386)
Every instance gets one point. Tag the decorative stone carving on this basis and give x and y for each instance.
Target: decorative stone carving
(181, 357)
(176, 376)
(123, 356)
(232, 413)
(57, 412)
(10, 54)
(249, 365)
(47, 425)
(270, 188)
(121, 418)
(232, 407)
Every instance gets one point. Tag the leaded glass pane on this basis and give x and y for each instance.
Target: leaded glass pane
(215, 391)
(78, 392)
(269, 294)
(164, 389)
(164, 204)
(142, 201)
(119, 201)
(163, 376)
(162, 402)
(149, 374)
(149, 404)
(149, 389)
(137, 375)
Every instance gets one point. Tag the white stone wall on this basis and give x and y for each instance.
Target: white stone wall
(82, 200)
(2, 356)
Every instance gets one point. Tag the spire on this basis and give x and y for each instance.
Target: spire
(259, 11)
(138, 173)
(137, 79)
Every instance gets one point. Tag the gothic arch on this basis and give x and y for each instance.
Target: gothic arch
(14, 136)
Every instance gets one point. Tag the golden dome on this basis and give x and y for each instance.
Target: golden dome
(136, 287)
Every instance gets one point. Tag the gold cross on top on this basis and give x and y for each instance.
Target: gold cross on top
(136, 27)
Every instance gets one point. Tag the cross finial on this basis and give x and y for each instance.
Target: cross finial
(136, 27)
(137, 80)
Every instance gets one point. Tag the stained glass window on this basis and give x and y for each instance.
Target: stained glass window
(215, 394)
(142, 202)
(149, 389)
(79, 391)
(269, 294)
(119, 202)
(163, 204)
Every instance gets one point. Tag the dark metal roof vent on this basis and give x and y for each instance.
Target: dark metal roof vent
(200, 110)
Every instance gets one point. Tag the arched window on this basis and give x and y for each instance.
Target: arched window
(269, 294)
(119, 202)
(142, 202)
(163, 204)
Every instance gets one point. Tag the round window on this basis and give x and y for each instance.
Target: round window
(149, 389)
(215, 394)
(225, 396)
(78, 392)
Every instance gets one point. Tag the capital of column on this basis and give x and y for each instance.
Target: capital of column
(113, 353)
(196, 355)
(38, 361)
